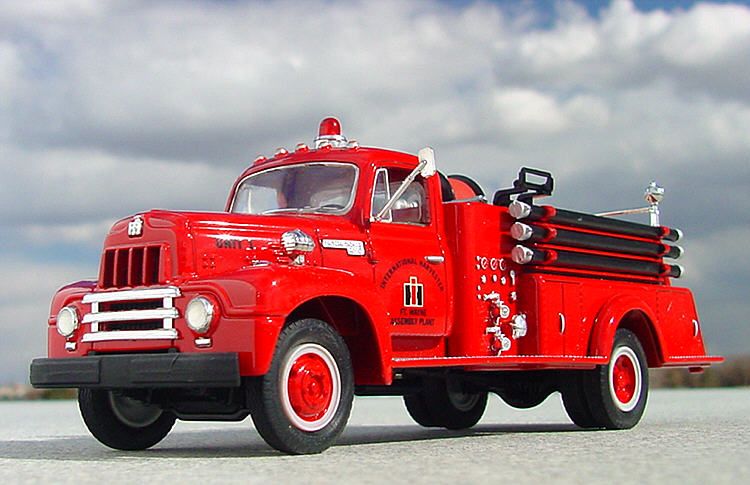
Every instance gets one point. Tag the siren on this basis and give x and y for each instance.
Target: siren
(329, 127)
(329, 134)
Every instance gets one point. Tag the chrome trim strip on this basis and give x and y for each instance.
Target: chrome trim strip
(131, 315)
(353, 247)
(164, 334)
(202, 342)
(435, 259)
(129, 295)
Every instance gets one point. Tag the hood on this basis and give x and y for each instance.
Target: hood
(228, 242)
(160, 246)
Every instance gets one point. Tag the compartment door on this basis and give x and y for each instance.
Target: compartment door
(572, 326)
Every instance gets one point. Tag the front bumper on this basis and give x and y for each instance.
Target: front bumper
(138, 371)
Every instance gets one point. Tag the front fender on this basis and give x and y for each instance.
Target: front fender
(297, 285)
(275, 291)
(69, 295)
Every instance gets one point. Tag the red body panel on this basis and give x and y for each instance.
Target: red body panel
(442, 294)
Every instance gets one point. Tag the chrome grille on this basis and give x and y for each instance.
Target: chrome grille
(129, 267)
(131, 315)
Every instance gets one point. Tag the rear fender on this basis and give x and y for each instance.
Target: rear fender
(613, 315)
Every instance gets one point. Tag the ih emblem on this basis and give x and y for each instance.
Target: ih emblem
(413, 293)
(135, 227)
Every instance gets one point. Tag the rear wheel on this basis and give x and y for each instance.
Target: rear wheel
(611, 396)
(418, 409)
(303, 403)
(575, 401)
(122, 422)
(525, 395)
(446, 403)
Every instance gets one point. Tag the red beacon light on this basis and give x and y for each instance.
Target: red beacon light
(329, 127)
(329, 134)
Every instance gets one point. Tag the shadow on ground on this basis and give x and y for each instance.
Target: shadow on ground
(240, 444)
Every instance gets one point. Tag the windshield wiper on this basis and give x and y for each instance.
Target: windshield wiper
(282, 210)
(329, 208)
(298, 210)
(307, 209)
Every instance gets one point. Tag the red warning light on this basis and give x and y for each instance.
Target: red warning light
(329, 127)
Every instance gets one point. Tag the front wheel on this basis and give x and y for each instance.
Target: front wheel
(303, 403)
(121, 422)
(612, 396)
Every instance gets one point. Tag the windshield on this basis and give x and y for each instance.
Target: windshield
(326, 187)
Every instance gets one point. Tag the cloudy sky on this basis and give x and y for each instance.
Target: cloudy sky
(109, 108)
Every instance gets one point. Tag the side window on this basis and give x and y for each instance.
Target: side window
(410, 208)
(381, 192)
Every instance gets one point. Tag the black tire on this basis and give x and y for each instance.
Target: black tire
(446, 403)
(575, 401)
(525, 396)
(121, 422)
(288, 420)
(612, 396)
(418, 409)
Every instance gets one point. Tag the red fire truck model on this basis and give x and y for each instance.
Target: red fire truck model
(338, 270)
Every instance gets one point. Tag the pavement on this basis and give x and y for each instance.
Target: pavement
(686, 436)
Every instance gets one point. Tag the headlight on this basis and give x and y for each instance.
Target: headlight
(199, 314)
(67, 321)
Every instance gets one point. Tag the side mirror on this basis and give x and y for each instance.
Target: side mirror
(427, 156)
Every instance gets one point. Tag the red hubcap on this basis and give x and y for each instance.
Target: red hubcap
(624, 379)
(310, 387)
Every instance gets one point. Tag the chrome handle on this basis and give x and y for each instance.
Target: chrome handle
(562, 323)
(435, 259)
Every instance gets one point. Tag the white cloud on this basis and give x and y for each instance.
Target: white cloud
(9, 67)
(89, 233)
(77, 186)
(706, 34)
(526, 111)
(26, 290)
(587, 110)
(575, 41)
(717, 255)
(24, 330)
(40, 10)
(26, 281)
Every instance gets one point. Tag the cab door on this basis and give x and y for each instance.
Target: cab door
(407, 257)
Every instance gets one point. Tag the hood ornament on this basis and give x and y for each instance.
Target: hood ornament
(135, 227)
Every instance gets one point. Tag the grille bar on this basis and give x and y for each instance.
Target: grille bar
(128, 308)
(130, 295)
(131, 315)
(162, 334)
